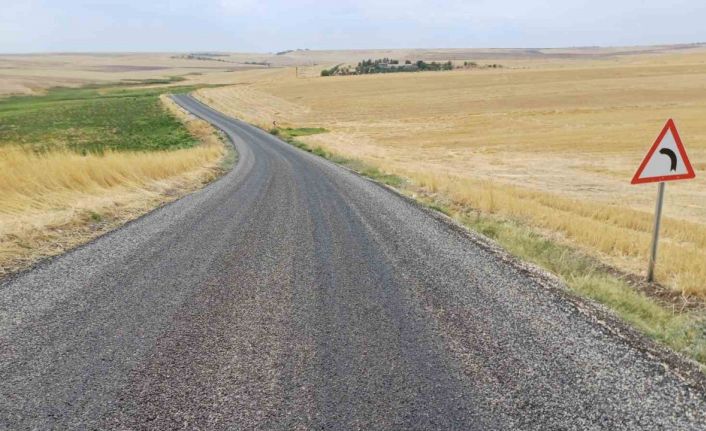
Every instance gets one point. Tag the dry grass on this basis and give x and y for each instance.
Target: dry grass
(619, 236)
(53, 201)
(552, 143)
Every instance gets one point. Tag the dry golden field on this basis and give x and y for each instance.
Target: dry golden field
(551, 140)
(34, 73)
(54, 200)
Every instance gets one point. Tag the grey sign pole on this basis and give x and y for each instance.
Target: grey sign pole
(655, 234)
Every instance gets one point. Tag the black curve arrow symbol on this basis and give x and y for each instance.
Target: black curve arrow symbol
(672, 155)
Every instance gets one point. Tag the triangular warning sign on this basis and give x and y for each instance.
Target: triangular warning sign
(666, 160)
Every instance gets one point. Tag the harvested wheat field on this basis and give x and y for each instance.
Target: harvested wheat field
(551, 141)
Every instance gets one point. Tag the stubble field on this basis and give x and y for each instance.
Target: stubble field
(550, 141)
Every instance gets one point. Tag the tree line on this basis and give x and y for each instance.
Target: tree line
(388, 65)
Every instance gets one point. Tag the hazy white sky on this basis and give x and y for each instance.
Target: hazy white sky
(273, 25)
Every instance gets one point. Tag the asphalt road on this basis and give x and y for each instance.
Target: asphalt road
(293, 294)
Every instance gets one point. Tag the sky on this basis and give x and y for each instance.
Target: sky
(274, 25)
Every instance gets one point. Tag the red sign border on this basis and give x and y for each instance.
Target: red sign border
(689, 169)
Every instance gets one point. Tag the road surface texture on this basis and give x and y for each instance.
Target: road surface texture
(293, 294)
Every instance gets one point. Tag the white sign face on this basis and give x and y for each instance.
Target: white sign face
(666, 160)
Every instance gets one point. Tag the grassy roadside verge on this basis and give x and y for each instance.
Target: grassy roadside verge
(663, 319)
(76, 163)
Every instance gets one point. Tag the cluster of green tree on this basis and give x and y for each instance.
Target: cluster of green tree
(335, 70)
(376, 66)
(434, 65)
(200, 57)
(386, 65)
(474, 65)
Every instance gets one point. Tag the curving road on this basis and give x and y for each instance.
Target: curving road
(293, 294)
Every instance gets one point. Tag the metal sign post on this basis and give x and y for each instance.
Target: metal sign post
(655, 233)
(666, 161)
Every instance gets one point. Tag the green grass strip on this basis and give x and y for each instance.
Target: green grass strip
(93, 119)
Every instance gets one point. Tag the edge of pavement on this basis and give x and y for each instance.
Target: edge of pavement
(685, 369)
